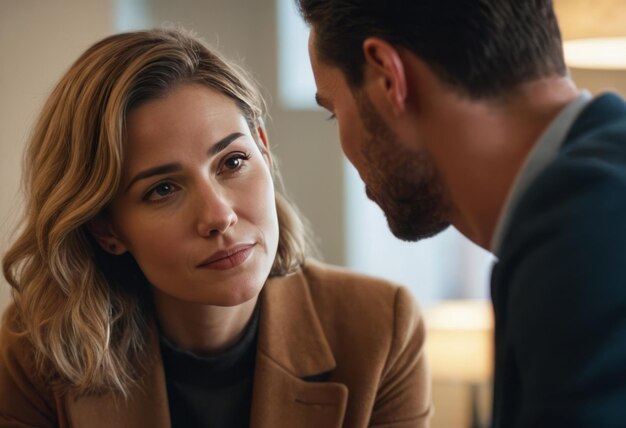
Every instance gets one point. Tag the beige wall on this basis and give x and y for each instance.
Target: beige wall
(580, 18)
(589, 19)
(38, 41)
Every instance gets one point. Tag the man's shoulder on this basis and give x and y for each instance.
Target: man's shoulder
(567, 234)
(569, 224)
(584, 185)
(603, 119)
(558, 286)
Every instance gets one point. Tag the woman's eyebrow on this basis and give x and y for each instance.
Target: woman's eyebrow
(175, 167)
(223, 143)
(157, 170)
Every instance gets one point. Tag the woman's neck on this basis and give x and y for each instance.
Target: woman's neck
(202, 329)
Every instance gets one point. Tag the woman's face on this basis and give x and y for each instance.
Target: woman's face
(196, 205)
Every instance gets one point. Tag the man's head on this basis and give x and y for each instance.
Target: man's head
(479, 47)
(478, 50)
(403, 182)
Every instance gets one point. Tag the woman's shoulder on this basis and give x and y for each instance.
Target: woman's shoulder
(345, 303)
(338, 289)
(12, 340)
(25, 397)
(368, 322)
(323, 274)
(16, 350)
(335, 280)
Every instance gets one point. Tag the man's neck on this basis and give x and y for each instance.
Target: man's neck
(480, 147)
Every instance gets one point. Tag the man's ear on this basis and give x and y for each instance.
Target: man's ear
(102, 231)
(265, 143)
(388, 72)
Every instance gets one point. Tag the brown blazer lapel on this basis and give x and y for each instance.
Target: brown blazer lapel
(292, 346)
(146, 406)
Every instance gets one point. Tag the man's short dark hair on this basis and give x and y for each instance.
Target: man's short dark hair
(482, 48)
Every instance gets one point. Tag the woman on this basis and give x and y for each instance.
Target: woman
(160, 281)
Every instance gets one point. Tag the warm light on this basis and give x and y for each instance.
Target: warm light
(597, 53)
(459, 341)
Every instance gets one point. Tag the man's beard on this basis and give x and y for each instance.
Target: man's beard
(404, 183)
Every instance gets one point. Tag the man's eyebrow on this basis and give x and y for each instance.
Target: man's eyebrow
(175, 167)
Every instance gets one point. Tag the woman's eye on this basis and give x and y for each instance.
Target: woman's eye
(160, 191)
(235, 162)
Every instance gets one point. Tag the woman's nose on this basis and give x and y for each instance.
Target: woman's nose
(215, 213)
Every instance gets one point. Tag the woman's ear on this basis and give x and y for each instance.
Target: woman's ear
(102, 231)
(266, 148)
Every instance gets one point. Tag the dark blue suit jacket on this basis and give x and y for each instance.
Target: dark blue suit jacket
(559, 287)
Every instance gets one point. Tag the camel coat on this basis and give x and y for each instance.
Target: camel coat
(335, 349)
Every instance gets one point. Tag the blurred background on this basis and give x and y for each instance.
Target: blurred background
(40, 39)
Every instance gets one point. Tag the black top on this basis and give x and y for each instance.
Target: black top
(213, 391)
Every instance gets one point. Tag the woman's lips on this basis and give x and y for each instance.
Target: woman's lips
(223, 260)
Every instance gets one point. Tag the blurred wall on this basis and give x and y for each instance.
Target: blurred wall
(579, 19)
(38, 42)
(583, 18)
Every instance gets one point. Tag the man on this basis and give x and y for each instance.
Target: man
(462, 113)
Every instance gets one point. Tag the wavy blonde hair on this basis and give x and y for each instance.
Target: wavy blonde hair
(86, 312)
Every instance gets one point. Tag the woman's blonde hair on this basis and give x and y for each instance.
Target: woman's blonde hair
(86, 312)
